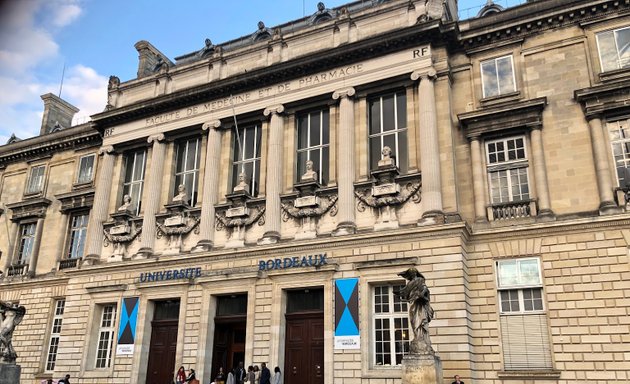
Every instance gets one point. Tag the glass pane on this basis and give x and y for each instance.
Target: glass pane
(181, 155)
(401, 111)
(249, 140)
(325, 166)
(402, 151)
(506, 75)
(303, 131)
(86, 166)
(301, 164)
(622, 38)
(375, 151)
(529, 272)
(390, 141)
(325, 127)
(232, 305)
(191, 158)
(166, 310)
(315, 158)
(508, 273)
(138, 173)
(256, 178)
(375, 116)
(389, 122)
(315, 129)
(607, 51)
(489, 78)
(305, 300)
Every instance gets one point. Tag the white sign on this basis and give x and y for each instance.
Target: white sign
(125, 349)
(347, 342)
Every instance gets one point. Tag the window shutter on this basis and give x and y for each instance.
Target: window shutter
(525, 340)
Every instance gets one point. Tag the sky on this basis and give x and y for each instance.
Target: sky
(89, 40)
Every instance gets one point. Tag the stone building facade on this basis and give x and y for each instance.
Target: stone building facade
(248, 193)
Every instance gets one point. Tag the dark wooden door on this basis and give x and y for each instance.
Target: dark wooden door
(229, 345)
(161, 367)
(304, 349)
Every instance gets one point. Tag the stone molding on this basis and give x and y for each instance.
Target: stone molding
(344, 92)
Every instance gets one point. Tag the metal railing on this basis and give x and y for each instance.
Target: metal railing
(512, 210)
(68, 263)
(17, 269)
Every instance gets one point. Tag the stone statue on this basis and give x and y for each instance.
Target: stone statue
(242, 183)
(309, 175)
(10, 316)
(386, 160)
(114, 83)
(417, 294)
(126, 206)
(181, 194)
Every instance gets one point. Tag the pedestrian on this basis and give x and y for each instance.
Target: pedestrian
(192, 378)
(180, 376)
(239, 373)
(265, 374)
(256, 374)
(65, 380)
(230, 377)
(251, 376)
(277, 376)
(220, 378)
(457, 380)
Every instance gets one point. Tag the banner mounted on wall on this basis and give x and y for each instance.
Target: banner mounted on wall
(127, 327)
(347, 314)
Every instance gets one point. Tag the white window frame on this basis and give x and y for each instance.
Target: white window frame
(25, 254)
(483, 79)
(396, 132)
(136, 182)
(184, 174)
(392, 316)
(90, 170)
(103, 355)
(55, 332)
(255, 161)
(622, 164)
(35, 182)
(618, 64)
(77, 235)
(314, 150)
(509, 166)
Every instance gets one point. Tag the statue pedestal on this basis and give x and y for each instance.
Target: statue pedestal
(9, 373)
(421, 369)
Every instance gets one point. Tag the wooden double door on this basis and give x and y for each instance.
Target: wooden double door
(304, 348)
(161, 366)
(229, 344)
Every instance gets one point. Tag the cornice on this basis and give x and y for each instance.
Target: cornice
(506, 116)
(530, 18)
(392, 41)
(609, 98)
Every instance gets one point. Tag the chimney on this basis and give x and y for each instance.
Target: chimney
(58, 114)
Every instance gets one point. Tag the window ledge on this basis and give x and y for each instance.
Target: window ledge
(530, 374)
(492, 100)
(617, 74)
(85, 185)
(391, 372)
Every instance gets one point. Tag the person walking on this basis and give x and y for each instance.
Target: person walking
(265, 374)
(180, 376)
(239, 373)
(277, 376)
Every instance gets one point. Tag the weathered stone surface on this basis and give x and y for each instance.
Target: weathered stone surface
(10, 374)
(421, 369)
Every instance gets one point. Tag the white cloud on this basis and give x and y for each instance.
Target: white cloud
(65, 14)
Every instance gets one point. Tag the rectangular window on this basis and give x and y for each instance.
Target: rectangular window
(507, 170)
(524, 331)
(78, 232)
(619, 133)
(86, 169)
(134, 178)
(106, 332)
(388, 127)
(247, 157)
(36, 179)
(614, 49)
(497, 76)
(390, 326)
(27, 242)
(55, 331)
(187, 168)
(314, 143)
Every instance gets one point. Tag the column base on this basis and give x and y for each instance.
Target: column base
(305, 235)
(143, 253)
(92, 259)
(385, 225)
(345, 228)
(270, 237)
(10, 373)
(115, 258)
(546, 215)
(609, 208)
(422, 369)
(431, 218)
(203, 246)
(481, 220)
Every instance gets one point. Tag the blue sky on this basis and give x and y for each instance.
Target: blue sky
(95, 39)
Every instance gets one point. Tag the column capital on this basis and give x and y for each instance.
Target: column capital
(593, 116)
(157, 138)
(424, 74)
(211, 124)
(475, 137)
(274, 109)
(535, 126)
(344, 92)
(106, 150)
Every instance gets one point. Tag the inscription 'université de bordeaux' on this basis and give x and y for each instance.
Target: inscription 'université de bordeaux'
(293, 262)
(175, 274)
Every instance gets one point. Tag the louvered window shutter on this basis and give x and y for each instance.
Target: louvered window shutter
(525, 340)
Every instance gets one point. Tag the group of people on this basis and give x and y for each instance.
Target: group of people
(238, 375)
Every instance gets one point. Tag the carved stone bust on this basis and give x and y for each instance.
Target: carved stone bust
(242, 183)
(309, 175)
(386, 160)
(126, 205)
(181, 196)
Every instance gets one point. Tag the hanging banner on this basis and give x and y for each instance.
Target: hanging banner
(347, 314)
(127, 327)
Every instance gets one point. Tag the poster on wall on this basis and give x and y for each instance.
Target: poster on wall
(127, 327)
(347, 314)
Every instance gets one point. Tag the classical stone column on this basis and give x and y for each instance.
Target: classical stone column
(607, 204)
(274, 175)
(210, 186)
(477, 173)
(98, 215)
(152, 192)
(429, 147)
(540, 173)
(345, 163)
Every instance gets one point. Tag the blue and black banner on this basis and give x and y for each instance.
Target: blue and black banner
(347, 314)
(127, 328)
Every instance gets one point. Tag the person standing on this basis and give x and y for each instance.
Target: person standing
(265, 374)
(192, 377)
(256, 374)
(65, 380)
(230, 377)
(180, 376)
(251, 376)
(457, 380)
(277, 376)
(239, 373)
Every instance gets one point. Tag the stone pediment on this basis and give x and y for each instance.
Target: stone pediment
(32, 208)
(75, 200)
(606, 99)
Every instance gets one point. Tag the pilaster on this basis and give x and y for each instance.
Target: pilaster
(274, 175)
(607, 204)
(152, 195)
